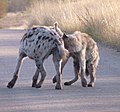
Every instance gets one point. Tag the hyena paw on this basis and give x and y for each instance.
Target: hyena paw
(38, 86)
(90, 85)
(54, 80)
(34, 83)
(67, 83)
(10, 84)
(84, 83)
(58, 87)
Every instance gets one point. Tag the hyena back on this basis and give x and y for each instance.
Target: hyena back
(38, 43)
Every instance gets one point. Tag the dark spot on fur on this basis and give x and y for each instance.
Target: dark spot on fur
(46, 38)
(51, 33)
(36, 32)
(55, 42)
(37, 42)
(25, 35)
(43, 37)
(54, 33)
(31, 40)
(39, 37)
(30, 34)
(43, 32)
(44, 47)
(34, 50)
(38, 46)
(26, 43)
(29, 45)
(50, 39)
(60, 39)
(43, 44)
(36, 56)
(55, 45)
(34, 28)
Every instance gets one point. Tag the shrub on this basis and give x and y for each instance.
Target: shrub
(3, 7)
(18, 5)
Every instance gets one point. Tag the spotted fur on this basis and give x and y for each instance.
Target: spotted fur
(38, 43)
(84, 51)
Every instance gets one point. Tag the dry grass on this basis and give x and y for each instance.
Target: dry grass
(100, 19)
(17, 5)
(3, 7)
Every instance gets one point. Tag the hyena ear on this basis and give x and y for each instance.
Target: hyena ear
(64, 36)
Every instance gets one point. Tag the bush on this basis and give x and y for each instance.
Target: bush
(3, 7)
(18, 5)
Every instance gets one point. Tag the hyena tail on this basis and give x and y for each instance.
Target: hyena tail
(93, 62)
(62, 51)
(58, 30)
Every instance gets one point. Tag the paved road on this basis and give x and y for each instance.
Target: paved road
(104, 97)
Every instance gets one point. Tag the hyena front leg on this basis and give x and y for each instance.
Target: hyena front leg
(15, 77)
(76, 71)
(35, 78)
(40, 69)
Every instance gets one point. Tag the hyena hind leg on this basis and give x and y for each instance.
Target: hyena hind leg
(35, 78)
(15, 76)
(41, 69)
(92, 71)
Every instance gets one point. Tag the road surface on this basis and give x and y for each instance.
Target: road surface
(104, 97)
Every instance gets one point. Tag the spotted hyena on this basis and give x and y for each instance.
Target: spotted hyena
(84, 51)
(38, 43)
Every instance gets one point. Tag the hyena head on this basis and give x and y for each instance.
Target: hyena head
(72, 43)
(65, 38)
(67, 42)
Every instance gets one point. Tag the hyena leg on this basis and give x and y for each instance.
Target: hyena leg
(57, 63)
(41, 69)
(76, 71)
(87, 68)
(92, 72)
(82, 62)
(35, 78)
(64, 61)
(15, 77)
